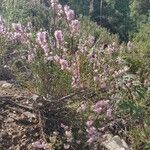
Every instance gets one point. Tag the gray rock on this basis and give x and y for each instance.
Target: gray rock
(114, 143)
(6, 74)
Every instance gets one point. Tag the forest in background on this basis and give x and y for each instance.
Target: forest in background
(123, 17)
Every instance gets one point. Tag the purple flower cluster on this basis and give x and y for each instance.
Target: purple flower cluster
(41, 40)
(2, 26)
(75, 72)
(17, 35)
(92, 134)
(75, 27)
(68, 136)
(17, 27)
(70, 14)
(38, 145)
(59, 38)
(102, 107)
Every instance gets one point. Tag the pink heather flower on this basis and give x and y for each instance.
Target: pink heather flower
(1, 19)
(66, 146)
(66, 8)
(96, 78)
(70, 14)
(91, 140)
(31, 57)
(17, 36)
(38, 145)
(91, 134)
(103, 85)
(2, 29)
(46, 49)
(91, 40)
(97, 109)
(78, 141)
(53, 45)
(83, 49)
(92, 57)
(102, 103)
(81, 108)
(57, 58)
(110, 49)
(53, 3)
(41, 38)
(63, 64)
(109, 112)
(91, 130)
(59, 9)
(89, 123)
(59, 37)
(68, 134)
(29, 25)
(75, 81)
(129, 45)
(17, 27)
(64, 126)
(75, 26)
(50, 58)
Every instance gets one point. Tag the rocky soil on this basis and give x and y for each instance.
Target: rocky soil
(18, 125)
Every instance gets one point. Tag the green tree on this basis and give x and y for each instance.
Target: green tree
(115, 16)
(140, 11)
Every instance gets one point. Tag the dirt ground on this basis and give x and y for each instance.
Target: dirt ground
(18, 126)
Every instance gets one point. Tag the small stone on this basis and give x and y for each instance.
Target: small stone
(10, 119)
(6, 85)
(35, 97)
(29, 115)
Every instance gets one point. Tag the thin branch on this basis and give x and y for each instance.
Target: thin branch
(11, 101)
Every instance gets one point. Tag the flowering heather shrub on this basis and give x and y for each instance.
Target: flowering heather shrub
(74, 57)
(67, 62)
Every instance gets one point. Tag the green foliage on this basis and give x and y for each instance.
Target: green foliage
(136, 107)
(139, 58)
(102, 35)
(140, 10)
(80, 6)
(136, 104)
(24, 11)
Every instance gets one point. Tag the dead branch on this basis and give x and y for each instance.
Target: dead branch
(11, 101)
